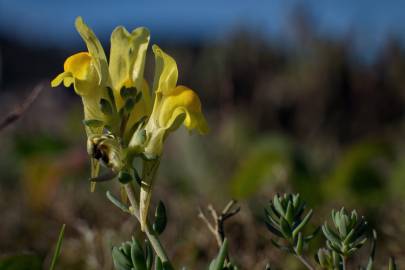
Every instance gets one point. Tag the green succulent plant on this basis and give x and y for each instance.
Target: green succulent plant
(285, 219)
(350, 232)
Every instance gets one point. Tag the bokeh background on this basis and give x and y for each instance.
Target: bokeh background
(301, 96)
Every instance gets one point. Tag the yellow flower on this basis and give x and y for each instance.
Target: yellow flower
(173, 105)
(127, 59)
(126, 67)
(88, 72)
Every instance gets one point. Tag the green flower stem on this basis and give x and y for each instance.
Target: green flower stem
(305, 262)
(152, 236)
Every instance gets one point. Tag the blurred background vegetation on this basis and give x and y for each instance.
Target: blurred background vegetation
(303, 108)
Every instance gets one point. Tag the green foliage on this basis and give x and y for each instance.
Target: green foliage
(273, 159)
(349, 235)
(219, 262)
(397, 183)
(117, 202)
(357, 178)
(130, 256)
(31, 261)
(38, 144)
(21, 262)
(160, 218)
(268, 161)
(159, 265)
(286, 219)
(327, 259)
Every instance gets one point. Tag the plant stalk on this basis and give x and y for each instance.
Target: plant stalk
(150, 233)
(305, 262)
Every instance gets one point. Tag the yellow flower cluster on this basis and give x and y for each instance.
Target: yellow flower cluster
(93, 77)
(123, 117)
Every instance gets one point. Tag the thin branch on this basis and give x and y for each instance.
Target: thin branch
(202, 216)
(305, 262)
(18, 111)
(217, 226)
(228, 206)
(212, 227)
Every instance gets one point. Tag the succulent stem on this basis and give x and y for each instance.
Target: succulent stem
(152, 236)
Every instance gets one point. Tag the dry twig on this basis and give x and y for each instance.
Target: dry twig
(16, 114)
(217, 226)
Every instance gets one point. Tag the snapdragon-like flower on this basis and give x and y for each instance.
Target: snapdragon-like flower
(173, 105)
(88, 72)
(127, 64)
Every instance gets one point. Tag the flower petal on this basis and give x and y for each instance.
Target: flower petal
(182, 101)
(142, 108)
(127, 59)
(95, 49)
(78, 65)
(80, 71)
(166, 72)
(65, 77)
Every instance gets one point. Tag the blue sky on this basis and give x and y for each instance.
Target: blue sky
(50, 23)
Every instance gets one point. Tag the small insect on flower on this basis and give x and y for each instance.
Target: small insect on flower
(106, 149)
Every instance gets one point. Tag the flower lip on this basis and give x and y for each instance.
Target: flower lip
(79, 65)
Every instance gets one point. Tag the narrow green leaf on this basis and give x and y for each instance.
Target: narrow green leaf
(218, 262)
(373, 247)
(300, 244)
(273, 229)
(158, 263)
(162, 266)
(160, 218)
(58, 248)
(303, 223)
(137, 255)
(329, 234)
(278, 206)
(289, 213)
(120, 260)
(148, 255)
(349, 236)
(117, 203)
(285, 229)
